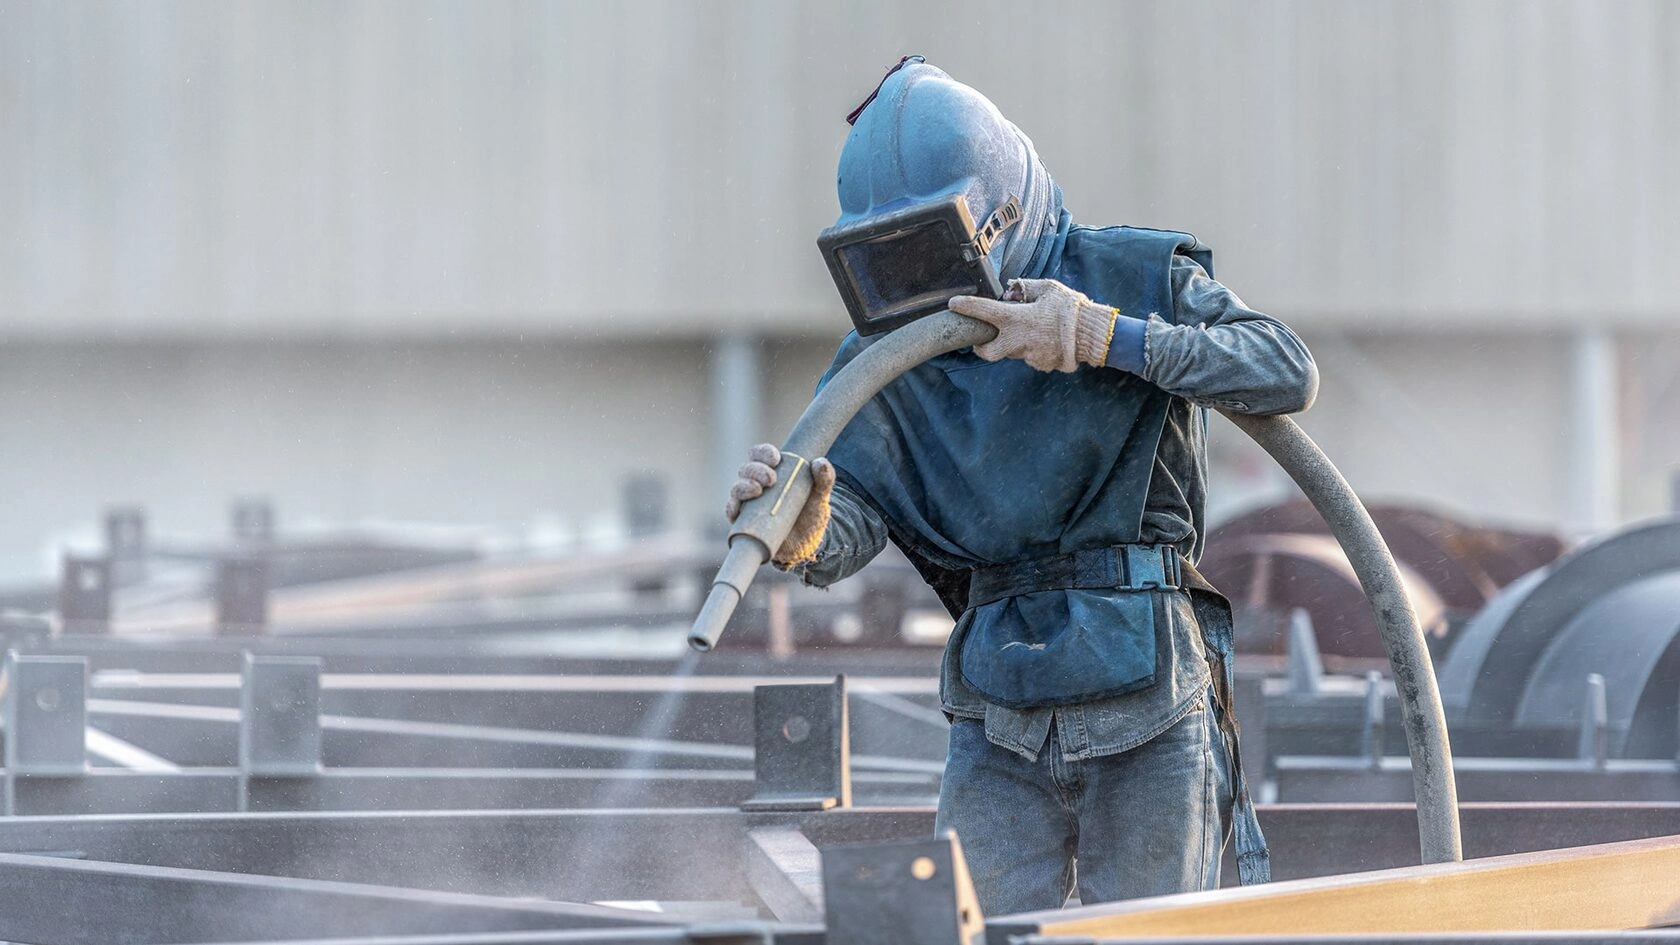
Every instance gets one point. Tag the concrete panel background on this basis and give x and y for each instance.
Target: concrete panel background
(262, 169)
(534, 441)
(465, 263)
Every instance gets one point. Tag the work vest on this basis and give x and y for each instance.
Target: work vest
(974, 464)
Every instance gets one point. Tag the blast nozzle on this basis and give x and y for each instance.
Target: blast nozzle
(745, 555)
(765, 522)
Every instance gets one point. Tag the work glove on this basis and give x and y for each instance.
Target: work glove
(1044, 323)
(759, 474)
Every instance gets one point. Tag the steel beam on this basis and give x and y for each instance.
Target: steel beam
(1321, 840)
(548, 852)
(190, 735)
(217, 790)
(701, 709)
(702, 933)
(1308, 780)
(52, 900)
(785, 869)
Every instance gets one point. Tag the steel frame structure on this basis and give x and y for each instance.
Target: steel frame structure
(374, 876)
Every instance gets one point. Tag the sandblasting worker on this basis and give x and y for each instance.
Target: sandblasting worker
(1050, 486)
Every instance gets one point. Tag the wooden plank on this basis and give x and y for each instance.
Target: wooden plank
(1630, 885)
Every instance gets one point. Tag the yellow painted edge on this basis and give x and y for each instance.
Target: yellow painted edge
(788, 482)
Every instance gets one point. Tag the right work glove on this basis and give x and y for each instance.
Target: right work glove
(759, 474)
(1049, 325)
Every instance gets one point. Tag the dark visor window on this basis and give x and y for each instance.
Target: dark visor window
(911, 268)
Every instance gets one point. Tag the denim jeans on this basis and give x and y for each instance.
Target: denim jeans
(1144, 822)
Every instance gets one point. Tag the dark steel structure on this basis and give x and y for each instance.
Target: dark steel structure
(431, 777)
(1279, 558)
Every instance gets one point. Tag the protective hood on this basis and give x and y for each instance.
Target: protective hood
(925, 135)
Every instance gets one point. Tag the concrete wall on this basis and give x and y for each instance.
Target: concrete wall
(534, 439)
(461, 262)
(264, 170)
(488, 433)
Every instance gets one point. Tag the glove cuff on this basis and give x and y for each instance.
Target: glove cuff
(1093, 332)
(806, 540)
(1128, 349)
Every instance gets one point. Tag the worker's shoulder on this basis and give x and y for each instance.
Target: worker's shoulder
(1140, 243)
(1122, 237)
(853, 344)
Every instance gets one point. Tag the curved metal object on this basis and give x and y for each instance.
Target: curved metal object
(765, 522)
(1463, 662)
(1495, 667)
(1465, 565)
(1281, 572)
(1643, 618)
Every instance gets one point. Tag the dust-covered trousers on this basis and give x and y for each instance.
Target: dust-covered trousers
(1145, 822)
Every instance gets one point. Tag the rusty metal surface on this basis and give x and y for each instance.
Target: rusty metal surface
(1264, 560)
(1279, 572)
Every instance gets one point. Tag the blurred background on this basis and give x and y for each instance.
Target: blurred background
(507, 267)
(467, 313)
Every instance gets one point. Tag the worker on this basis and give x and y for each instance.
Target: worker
(1049, 485)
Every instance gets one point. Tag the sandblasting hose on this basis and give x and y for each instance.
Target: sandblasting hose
(764, 523)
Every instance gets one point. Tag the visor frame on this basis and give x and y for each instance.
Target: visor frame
(949, 211)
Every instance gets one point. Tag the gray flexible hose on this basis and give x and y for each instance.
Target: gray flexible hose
(764, 523)
(1414, 673)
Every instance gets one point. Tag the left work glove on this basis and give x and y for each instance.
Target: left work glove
(759, 474)
(1044, 323)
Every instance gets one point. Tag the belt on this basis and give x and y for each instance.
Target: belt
(1117, 567)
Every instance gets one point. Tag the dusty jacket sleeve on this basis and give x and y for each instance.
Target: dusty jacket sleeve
(1223, 354)
(854, 537)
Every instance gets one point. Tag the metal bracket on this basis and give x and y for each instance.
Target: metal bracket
(1594, 742)
(802, 748)
(45, 711)
(84, 595)
(125, 543)
(241, 596)
(23, 631)
(917, 891)
(1306, 666)
(1375, 727)
(280, 717)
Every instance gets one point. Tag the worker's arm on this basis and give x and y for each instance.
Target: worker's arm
(1219, 353)
(1215, 351)
(854, 537)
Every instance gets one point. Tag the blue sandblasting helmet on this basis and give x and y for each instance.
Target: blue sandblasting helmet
(940, 195)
